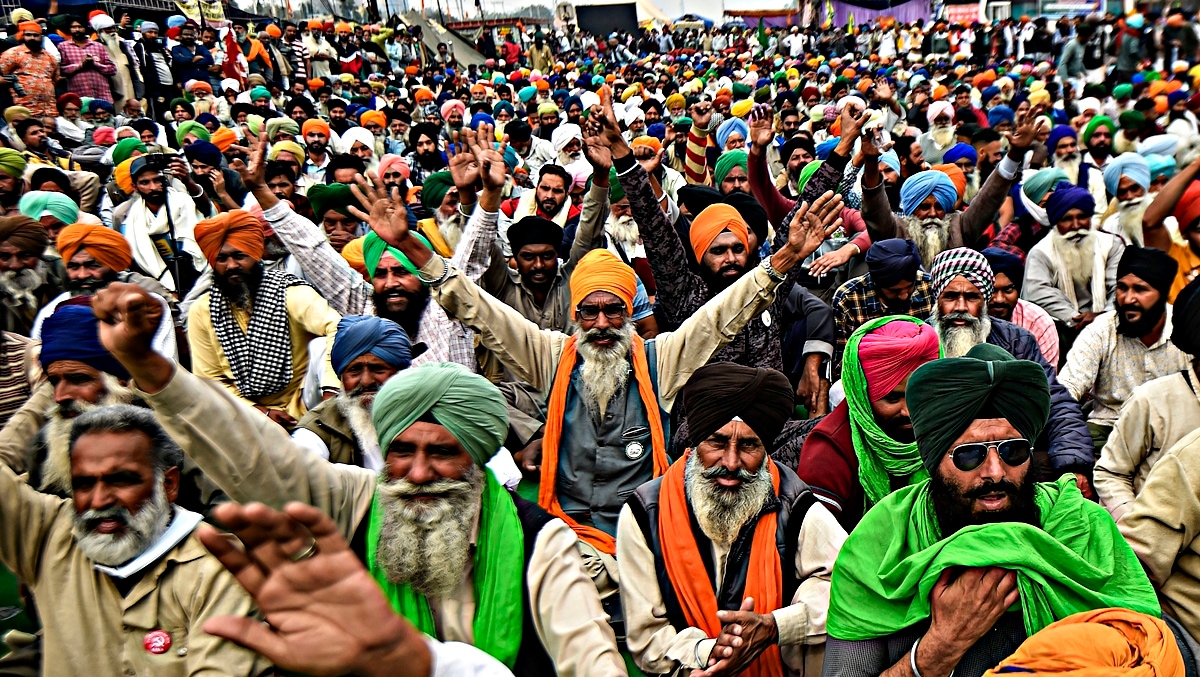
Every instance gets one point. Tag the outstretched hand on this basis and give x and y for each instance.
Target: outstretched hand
(253, 173)
(762, 127)
(388, 216)
(464, 165)
(1028, 127)
(813, 224)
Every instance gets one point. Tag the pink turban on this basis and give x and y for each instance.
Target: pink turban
(104, 136)
(392, 161)
(938, 108)
(893, 351)
(451, 105)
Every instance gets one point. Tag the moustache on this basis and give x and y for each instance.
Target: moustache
(601, 335)
(1002, 486)
(1077, 236)
(1130, 308)
(730, 268)
(443, 488)
(355, 393)
(960, 315)
(92, 518)
(721, 472)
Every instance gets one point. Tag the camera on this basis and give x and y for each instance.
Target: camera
(158, 162)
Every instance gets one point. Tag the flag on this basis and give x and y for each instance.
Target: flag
(762, 33)
(850, 24)
(828, 13)
(235, 65)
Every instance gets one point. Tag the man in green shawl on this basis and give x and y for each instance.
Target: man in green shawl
(925, 583)
(436, 530)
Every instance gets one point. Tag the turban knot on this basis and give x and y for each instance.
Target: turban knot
(237, 227)
(717, 393)
(105, 245)
(358, 335)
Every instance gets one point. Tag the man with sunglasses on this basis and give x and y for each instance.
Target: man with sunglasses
(924, 583)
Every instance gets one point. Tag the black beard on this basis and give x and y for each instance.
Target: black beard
(88, 286)
(1100, 151)
(1143, 326)
(241, 292)
(155, 197)
(1178, 115)
(10, 198)
(410, 318)
(430, 160)
(316, 147)
(953, 508)
(717, 282)
(549, 207)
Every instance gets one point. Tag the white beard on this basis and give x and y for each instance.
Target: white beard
(1070, 166)
(605, 370)
(427, 544)
(1077, 254)
(56, 469)
(943, 137)
(623, 231)
(142, 529)
(20, 285)
(957, 341)
(972, 186)
(451, 227)
(930, 236)
(358, 416)
(1130, 219)
(722, 513)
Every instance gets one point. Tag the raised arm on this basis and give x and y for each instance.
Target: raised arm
(982, 210)
(1154, 233)
(761, 187)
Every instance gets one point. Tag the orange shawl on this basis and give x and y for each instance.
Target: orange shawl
(557, 409)
(685, 568)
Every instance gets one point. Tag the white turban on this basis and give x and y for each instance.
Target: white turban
(634, 114)
(101, 22)
(359, 134)
(230, 83)
(589, 99)
(563, 134)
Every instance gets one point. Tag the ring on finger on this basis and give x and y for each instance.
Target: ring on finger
(304, 553)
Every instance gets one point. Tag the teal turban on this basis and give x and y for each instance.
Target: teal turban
(466, 404)
(434, 189)
(259, 92)
(35, 203)
(1041, 182)
(125, 147)
(728, 160)
(191, 127)
(945, 396)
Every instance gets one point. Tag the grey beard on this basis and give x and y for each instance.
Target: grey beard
(605, 370)
(142, 529)
(56, 469)
(451, 227)
(1130, 219)
(1076, 252)
(722, 513)
(957, 341)
(1070, 166)
(427, 544)
(20, 285)
(623, 230)
(358, 416)
(930, 236)
(972, 186)
(942, 137)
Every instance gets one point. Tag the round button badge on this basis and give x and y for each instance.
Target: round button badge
(157, 641)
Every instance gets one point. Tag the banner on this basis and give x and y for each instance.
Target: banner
(203, 12)
(963, 14)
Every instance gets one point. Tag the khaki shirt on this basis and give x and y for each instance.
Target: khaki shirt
(89, 628)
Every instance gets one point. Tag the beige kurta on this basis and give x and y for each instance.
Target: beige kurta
(89, 628)
(253, 459)
(657, 647)
(309, 316)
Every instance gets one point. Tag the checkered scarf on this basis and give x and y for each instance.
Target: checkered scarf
(261, 357)
(962, 261)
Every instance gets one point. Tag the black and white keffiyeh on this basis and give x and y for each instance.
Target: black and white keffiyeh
(261, 361)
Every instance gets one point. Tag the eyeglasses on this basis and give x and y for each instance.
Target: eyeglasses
(969, 456)
(591, 311)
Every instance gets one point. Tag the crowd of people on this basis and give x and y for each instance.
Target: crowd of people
(851, 351)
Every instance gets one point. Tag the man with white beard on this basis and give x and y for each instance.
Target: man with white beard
(1072, 272)
(728, 485)
(28, 277)
(1064, 145)
(120, 582)
(927, 199)
(1127, 178)
(434, 527)
(942, 134)
(127, 77)
(963, 282)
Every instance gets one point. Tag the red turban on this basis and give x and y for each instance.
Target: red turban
(713, 221)
(105, 245)
(601, 270)
(1187, 210)
(239, 228)
(892, 352)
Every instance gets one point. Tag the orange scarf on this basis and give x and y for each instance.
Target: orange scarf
(685, 568)
(557, 409)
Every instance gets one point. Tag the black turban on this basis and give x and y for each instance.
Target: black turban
(1154, 266)
(518, 131)
(751, 212)
(716, 393)
(534, 230)
(795, 143)
(24, 233)
(1007, 263)
(422, 129)
(697, 198)
(1185, 323)
(892, 261)
(945, 396)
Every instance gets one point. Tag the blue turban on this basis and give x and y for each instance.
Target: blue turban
(891, 159)
(959, 151)
(921, 185)
(205, 118)
(361, 334)
(511, 159)
(73, 333)
(989, 93)
(1058, 134)
(96, 105)
(503, 105)
(1007, 263)
(1000, 114)
(205, 152)
(826, 147)
(480, 118)
(1126, 164)
(1160, 165)
(1067, 197)
(1176, 96)
(658, 130)
(1162, 144)
(730, 126)
(892, 261)
(572, 101)
(176, 20)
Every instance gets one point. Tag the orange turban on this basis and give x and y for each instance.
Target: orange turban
(940, 92)
(29, 26)
(238, 227)
(122, 177)
(650, 141)
(1161, 103)
(315, 125)
(223, 138)
(411, 70)
(713, 221)
(315, 83)
(315, 24)
(422, 94)
(342, 27)
(273, 31)
(601, 270)
(376, 116)
(104, 244)
(353, 253)
(957, 177)
(542, 85)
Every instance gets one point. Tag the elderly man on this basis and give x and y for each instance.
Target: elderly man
(1063, 145)
(331, 205)
(1126, 346)
(1127, 178)
(1006, 302)
(251, 330)
(962, 284)
(925, 581)
(434, 528)
(680, 614)
(865, 449)
(29, 277)
(1156, 415)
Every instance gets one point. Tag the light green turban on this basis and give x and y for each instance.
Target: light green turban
(1043, 181)
(254, 123)
(37, 202)
(466, 404)
(728, 160)
(286, 125)
(615, 192)
(807, 173)
(12, 163)
(374, 248)
(191, 127)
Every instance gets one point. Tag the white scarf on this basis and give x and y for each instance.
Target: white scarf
(527, 206)
(1035, 210)
(141, 225)
(1062, 279)
(182, 526)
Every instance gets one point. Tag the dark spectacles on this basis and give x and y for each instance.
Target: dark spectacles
(969, 456)
(613, 311)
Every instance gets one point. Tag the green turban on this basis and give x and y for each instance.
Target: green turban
(177, 101)
(1132, 118)
(740, 91)
(945, 396)
(335, 196)
(254, 124)
(191, 127)
(615, 192)
(125, 147)
(728, 160)
(1122, 91)
(1096, 123)
(61, 22)
(286, 125)
(12, 163)
(36, 202)
(466, 404)
(806, 174)
(1041, 182)
(762, 94)
(434, 190)
(259, 92)
(374, 248)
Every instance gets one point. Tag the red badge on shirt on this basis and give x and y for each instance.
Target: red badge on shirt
(157, 641)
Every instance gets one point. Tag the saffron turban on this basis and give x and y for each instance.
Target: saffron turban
(434, 189)
(1006, 263)
(374, 248)
(945, 396)
(332, 197)
(358, 335)
(957, 177)
(729, 128)
(194, 128)
(38, 203)
(284, 147)
(353, 253)
(1186, 319)
(225, 137)
(1126, 164)
(237, 227)
(121, 176)
(651, 141)
(713, 221)
(393, 161)
(451, 106)
(1096, 123)
(1154, 266)
(24, 233)
(315, 125)
(534, 230)
(940, 108)
(286, 125)
(105, 245)
(12, 163)
(1187, 210)
(959, 151)
(1001, 114)
(563, 134)
(717, 393)
(726, 162)
(921, 185)
(1057, 134)
(72, 332)
(466, 404)
(891, 352)
(1041, 182)
(961, 261)
(375, 116)
(601, 270)
(1066, 198)
(892, 261)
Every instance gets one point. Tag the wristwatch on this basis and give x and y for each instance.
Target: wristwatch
(771, 272)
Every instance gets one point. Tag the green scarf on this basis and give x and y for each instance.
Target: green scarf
(499, 569)
(879, 456)
(1075, 562)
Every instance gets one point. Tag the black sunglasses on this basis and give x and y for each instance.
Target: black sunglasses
(613, 311)
(969, 456)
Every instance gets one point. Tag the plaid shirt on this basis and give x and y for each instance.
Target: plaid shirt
(91, 82)
(857, 302)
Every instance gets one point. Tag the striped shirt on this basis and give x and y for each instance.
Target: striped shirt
(299, 57)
